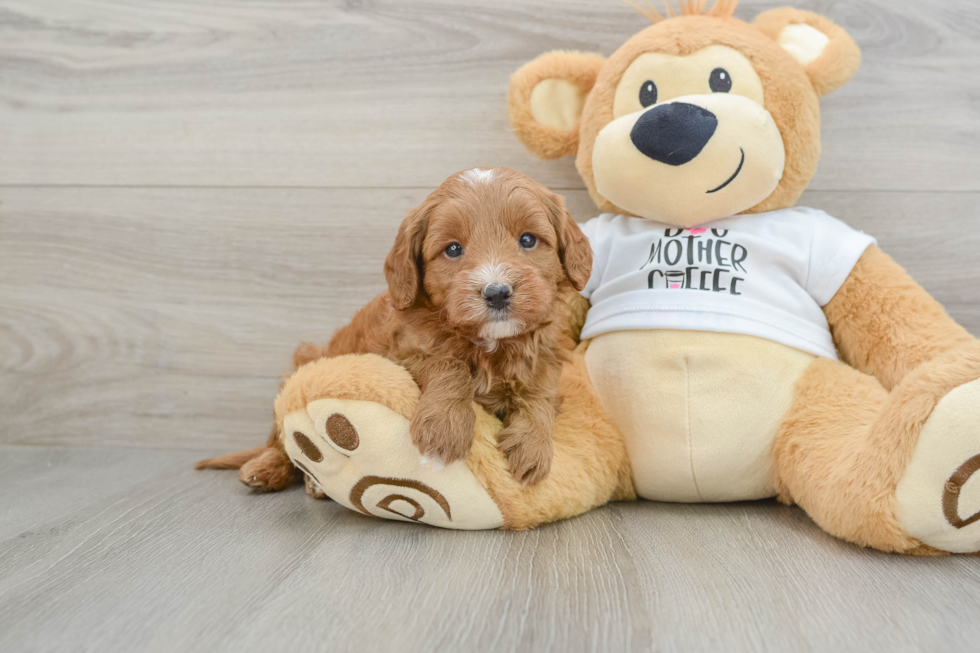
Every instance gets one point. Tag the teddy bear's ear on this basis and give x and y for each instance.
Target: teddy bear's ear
(827, 53)
(545, 101)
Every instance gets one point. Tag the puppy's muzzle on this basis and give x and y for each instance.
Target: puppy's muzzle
(674, 133)
(497, 295)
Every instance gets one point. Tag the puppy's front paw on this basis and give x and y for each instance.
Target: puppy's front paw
(528, 454)
(443, 429)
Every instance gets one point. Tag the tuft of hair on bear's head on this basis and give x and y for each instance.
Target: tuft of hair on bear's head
(721, 8)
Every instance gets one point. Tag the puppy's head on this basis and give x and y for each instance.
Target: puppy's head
(491, 249)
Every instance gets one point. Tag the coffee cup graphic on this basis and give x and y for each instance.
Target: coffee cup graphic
(674, 279)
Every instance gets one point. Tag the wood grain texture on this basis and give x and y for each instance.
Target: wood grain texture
(188, 189)
(132, 550)
(162, 317)
(395, 93)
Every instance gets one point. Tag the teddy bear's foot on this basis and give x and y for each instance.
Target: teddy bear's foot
(360, 454)
(938, 497)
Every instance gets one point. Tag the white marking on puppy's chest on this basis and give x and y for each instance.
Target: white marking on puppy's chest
(493, 331)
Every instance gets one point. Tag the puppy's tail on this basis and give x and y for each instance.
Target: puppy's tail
(231, 460)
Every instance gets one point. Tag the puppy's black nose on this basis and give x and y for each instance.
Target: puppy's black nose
(674, 133)
(497, 295)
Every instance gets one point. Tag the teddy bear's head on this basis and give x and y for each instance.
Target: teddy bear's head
(695, 118)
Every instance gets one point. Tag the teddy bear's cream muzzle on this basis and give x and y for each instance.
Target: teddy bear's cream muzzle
(690, 160)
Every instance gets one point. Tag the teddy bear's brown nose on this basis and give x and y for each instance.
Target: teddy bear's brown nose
(674, 133)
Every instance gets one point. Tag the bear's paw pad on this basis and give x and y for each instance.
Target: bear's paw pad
(938, 496)
(361, 455)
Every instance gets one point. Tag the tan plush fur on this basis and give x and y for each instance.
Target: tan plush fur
(789, 97)
(826, 451)
(685, 8)
(358, 382)
(843, 446)
(789, 94)
(912, 402)
(838, 62)
(578, 68)
(846, 442)
(885, 324)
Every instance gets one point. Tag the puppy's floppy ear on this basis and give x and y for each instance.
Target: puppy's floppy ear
(574, 249)
(403, 265)
(827, 53)
(546, 98)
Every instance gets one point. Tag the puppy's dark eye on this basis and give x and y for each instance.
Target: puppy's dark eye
(648, 93)
(720, 81)
(528, 241)
(454, 250)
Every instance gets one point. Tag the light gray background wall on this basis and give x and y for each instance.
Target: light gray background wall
(188, 189)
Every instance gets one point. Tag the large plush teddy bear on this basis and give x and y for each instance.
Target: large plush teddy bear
(736, 347)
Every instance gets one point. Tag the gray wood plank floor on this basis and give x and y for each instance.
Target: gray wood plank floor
(122, 550)
(187, 190)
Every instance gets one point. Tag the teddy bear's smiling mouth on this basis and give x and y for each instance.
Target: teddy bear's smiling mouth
(732, 178)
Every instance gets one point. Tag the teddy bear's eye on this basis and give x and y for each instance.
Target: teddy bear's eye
(648, 93)
(720, 81)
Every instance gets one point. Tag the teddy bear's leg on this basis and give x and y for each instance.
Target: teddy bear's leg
(887, 470)
(345, 424)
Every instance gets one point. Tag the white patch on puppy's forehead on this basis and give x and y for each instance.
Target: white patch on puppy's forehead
(476, 176)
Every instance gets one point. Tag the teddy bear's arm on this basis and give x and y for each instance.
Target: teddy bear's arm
(885, 324)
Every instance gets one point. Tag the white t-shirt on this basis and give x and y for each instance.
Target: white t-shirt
(766, 275)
